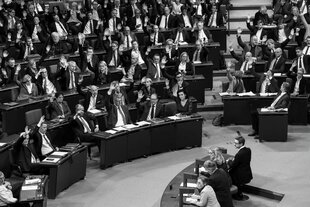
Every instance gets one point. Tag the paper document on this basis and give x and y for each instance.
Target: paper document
(30, 187)
(58, 153)
(111, 131)
(173, 117)
(122, 84)
(277, 74)
(94, 111)
(246, 94)
(190, 200)
(2, 144)
(119, 129)
(32, 181)
(192, 185)
(281, 109)
(306, 75)
(227, 94)
(51, 159)
(183, 43)
(143, 123)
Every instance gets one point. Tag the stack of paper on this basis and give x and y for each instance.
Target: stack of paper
(264, 110)
(30, 187)
(111, 131)
(246, 94)
(119, 129)
(306, 75)
(2, 144)
(227, 94)
(183, 43)
(51, 159)
(282, 109)
(277, 74)
(143, 123)
(59, 153)
(94, 111)
(173, 117)
(191, 185)
(32, 181)
(130, 126)
(190, 200)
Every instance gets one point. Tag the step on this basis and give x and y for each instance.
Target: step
(249, 6)
(235, 25)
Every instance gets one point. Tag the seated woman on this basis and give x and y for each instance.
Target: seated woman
(147, 89)
(205, 196)
(184, 65)
(184, 104)
(216, 156)
(57, 107)
(103, 76)
(27, 89)
(133, 72)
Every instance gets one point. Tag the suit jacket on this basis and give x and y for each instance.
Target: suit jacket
(161, 39)
(152, 70)
(23, 153)
(207, 33)
(272, 88)
(306, 62)
(22, 47)
(240, 169)
(9, 73)
(203, 54)
(279, 67)
(219, 19)
(144, 110)
(189, 68)
(37, 137)
(256, 51)
(23, 92)
(137, 74)
(240, 62)
(95, 23)
(24, 34)
(78, 127)
(123, 36)
(84, 64)
(219, 181)
(43, 35)
(62, 76)
(185, 35)
(181, 22)
(283, 102)
(54, 109)
(129, 11)
(132, 23)
(87, 95)
(171, 21)
(112, 113)
(253, 29)
(53, 27)
(263, 17)
(302, 86)
(110, 55)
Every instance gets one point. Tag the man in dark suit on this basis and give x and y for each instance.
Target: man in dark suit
(180, 36)
(27, 49)
(245, 64)
(150, 109)
(7, 71)
(262, 15)
(114, 57)
(202, 33)
(185, 19)
(92, 99)
(84, 125)
(137, 23)
(267, 83)
(90, 26)
(57, 107)
(132, 8)
(257, 30)
(171, 53)
(220, 183)
(67, 74)
(277, 64)
(38, 31)
(167, 21)
(239, 167)
(215, 19)
(114, 23)
(127, 37)
(299, 83)
(301, 61)
(201, 53)
(55, 46)
(156, 38)
(155, 69)
(118, 113)
(59, 26)
(251, 47)
(282, 100)
(25, 153)
(42, 140)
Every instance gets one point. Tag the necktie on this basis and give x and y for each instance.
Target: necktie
(211, 20)
(62, 27)
(114, 26)
(61, 109)
(158, 71)
(299, 63)
(166, 22)
(266, 87)
(179, 35)
(133, 11)
(91, 27)
(155, 41)
(275, 63)
(127, 41)
(44, 84)
(85, 124)
(243, 69)
(48, 141)
(153, 111)
(115, 60)
(72, 81)
(119, 108)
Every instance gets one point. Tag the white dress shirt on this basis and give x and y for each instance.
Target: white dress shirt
(179, 37)
(139, 22)
(163, 21)
(92, 103)
(259, 33)
(61, 30)
(120, 117)
(46, 145)
(187, 23)
(48, 86)
(277, 99)
(306, 50)
(296, 87)
(88, 29)
(282, 35)
(202, 36)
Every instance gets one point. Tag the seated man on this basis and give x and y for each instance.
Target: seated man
(301, 61)
(282, 100)
(150, 109)
(239, 167)
(277, 64)
(298, 86)
(167, 20)
(57, 107)
(180, 36)
(202, 34)
(267, 83)
(45, 83)
(118, 113)
(219, 181)
(6, 195)
(42, 140)
(27, 89)
(67, 75)
(246, 64)
(155, 68)
(114, 56)
(171, 53)
(156, 38)
(200, 54)
(235, 81)
(215, 19)
(92, 99)
(127, 37)
(83, 125)
(178, 83)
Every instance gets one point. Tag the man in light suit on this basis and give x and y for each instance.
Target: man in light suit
(92, 99)
(149, 109)
(239, 167)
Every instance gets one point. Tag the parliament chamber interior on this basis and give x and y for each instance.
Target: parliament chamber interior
(154, 103)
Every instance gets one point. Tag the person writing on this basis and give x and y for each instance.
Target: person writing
(6, 195)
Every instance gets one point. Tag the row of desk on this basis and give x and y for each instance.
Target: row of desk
(150, 139)
(9, 114)
(237, 110)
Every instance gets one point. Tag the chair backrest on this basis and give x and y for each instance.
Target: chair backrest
(198, 164)
(33, 116)
(170, 108)
(189, 176)
(225, 86)
(53, 69)
(183, 190)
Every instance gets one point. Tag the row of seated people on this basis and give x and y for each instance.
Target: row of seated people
(217, 175)
(129, 63)
(40, 27)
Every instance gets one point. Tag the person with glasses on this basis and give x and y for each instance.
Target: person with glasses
(177, 84)
(171, 53)
(6, 195)
(240, 166)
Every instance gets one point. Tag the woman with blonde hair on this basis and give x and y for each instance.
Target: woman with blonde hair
(184, 65)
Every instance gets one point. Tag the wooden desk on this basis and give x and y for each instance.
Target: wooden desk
(148, 140)
(272, 125)
(205, 69)
(237, 110)
(219, 34)
(66, 172)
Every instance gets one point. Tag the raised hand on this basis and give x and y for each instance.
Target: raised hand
(239, 30)
(140, 95)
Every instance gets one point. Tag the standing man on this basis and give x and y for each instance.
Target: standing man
(239, 167)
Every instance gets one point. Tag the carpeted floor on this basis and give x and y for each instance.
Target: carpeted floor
(280, 167)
